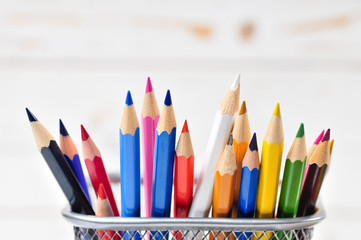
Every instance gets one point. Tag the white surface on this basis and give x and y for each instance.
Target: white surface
(85, 55)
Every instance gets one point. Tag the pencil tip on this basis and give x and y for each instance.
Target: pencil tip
(230, 140)
(84, 133)
(277, 111)
(319, 138)
(236, 82)
(149, 87)
(168, 99)
(129, 100)
(326, 137)
(185, 127)
(253, 144)
(63, 130)
(101, 192)
(243, 109)
(301, 131)
(31, 116)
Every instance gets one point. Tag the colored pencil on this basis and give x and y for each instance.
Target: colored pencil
(223, 193)
(248, 184)
(222, 125)
(149, 121)
(183, 174)
(292, 179)
(319, 163)
(71, 155)
(241, 137)
(96, 169)
(270, 168)
(331, 148)
(164, 153)
(58, 165)
(130, 163)
(104, 210)
(310, 151)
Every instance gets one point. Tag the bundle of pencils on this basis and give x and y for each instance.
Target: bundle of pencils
(232, 181)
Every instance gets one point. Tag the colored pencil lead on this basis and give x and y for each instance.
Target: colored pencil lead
(149, 87)
(253, 144)
(168, 99)
(326, 137)
(277, 111)
(84, 133)
(31, 116)
(129, 100)
(185, 127)
(63, 130)
(301, 131)
(243, 109)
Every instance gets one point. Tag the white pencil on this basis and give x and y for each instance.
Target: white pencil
(221, 129)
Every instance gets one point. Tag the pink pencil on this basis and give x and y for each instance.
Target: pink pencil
(149, 121)
(309, 154)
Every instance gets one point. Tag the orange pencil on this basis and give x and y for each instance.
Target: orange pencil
(241, 137)
(223, 193)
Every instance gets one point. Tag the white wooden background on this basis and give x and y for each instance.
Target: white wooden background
(75, 60)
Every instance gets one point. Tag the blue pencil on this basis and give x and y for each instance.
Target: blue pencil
(71, 155)
(130, 163)
(249, 183)
(164, 162)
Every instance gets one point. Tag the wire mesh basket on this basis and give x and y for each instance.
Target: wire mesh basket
(116, 228)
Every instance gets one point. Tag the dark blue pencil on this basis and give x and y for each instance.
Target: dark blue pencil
(249, 184)
(163, 163)
(71, 155)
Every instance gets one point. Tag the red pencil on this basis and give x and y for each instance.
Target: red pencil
(183, 174)
(96, 169)
(104, 210)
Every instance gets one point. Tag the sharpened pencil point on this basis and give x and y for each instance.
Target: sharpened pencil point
(230, 140)
(301, 131)
(185, 127)
(236, 82)
(168, 99)
(277, 111)
(253, 144)
(326, 137)
(84, 133)
(63, 130)
(319, 138)
(31, 116)
(129, 100)
(331, 145)
(149, 87)
(101, 192)
(243, 109)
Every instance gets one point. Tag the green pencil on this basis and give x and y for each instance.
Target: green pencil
(292, 177)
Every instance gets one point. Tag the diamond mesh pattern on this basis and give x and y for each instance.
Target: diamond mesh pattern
(92, 234)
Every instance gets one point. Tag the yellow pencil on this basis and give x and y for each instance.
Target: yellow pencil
(270, 168)
(241, 137)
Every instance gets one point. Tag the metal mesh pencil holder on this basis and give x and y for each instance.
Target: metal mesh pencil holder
(85, 227)
(116, 228)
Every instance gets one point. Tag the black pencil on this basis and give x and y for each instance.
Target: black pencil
(59, 167)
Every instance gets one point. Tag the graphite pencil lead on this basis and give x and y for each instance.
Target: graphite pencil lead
(301, 131)
(129, 100)
(230, 140)
(84, 133)
(31, 116)
(149, 87)
(277, 111)
(253, 144)
(63, 130)
(185, 127)
(326, 137)
(168, 99)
